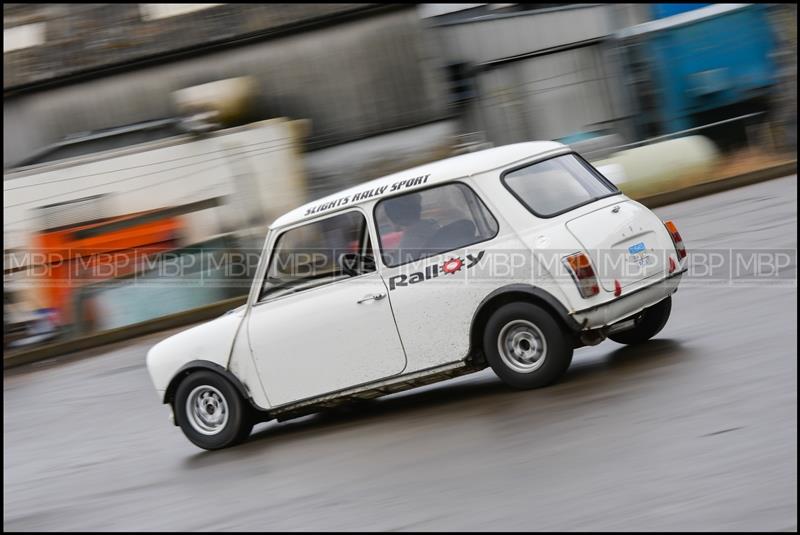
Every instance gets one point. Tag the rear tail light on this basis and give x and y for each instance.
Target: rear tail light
(676, 239)
(582, 273)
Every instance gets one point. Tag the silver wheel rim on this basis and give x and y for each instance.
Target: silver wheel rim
(522, 346)
(207, 410)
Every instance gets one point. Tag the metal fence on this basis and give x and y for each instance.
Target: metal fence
(757, 132)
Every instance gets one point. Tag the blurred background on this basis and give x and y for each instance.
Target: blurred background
(136, 133)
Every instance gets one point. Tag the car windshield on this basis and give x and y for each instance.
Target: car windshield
(557, 185)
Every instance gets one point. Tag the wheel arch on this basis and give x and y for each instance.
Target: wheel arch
(513, 293)
(198, 365)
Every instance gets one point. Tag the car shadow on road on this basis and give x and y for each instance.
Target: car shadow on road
(628, 359)
(481, 389)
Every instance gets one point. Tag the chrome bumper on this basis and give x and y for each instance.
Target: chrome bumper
(627, 305)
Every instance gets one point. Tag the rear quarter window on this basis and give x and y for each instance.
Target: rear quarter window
(557, 185)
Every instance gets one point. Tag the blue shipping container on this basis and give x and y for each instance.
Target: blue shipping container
(705, 59)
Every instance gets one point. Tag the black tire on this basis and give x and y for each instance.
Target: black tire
(239, 421)
(556, 350)
(648, 324)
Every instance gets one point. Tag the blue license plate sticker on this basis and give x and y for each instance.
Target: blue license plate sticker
(636, 248)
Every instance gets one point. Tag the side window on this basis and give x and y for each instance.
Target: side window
(319, 253)
(429, 222)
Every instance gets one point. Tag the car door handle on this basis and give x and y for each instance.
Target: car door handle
(376, 297)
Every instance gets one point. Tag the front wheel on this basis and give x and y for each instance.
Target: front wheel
(210, 411)
(648, 324)
(525, 346)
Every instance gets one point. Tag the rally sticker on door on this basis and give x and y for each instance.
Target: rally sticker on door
(448, 267)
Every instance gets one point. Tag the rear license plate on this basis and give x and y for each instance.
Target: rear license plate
(636, 248)
(638, 253)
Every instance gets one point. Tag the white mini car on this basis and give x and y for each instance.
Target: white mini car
(509, 257)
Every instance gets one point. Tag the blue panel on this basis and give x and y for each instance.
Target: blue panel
(636, 248)
(661, 11)
(710, 63)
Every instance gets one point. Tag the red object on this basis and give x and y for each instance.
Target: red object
(70, 257)
(671, 265)
(618, 287)
(452, 265)
(392, 239)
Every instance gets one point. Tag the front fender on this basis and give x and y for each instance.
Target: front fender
(211, 341)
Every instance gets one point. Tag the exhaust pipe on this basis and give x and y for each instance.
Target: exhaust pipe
(592, 338)
(621, 326)
(595, 336)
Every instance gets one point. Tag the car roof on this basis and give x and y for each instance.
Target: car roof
(434, 173)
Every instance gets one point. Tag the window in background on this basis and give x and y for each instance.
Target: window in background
(25, 36)
(162, 11)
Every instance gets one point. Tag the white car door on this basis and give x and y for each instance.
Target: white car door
(433, 246)
(319, 326)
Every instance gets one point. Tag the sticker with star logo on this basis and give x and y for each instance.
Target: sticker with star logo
(448, 267)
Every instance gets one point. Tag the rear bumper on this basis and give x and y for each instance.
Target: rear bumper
(627, 305)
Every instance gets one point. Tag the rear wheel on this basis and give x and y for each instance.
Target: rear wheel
(525, 346)
(648, 324)
(210, 411)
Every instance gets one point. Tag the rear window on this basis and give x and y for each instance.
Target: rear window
(554, 186)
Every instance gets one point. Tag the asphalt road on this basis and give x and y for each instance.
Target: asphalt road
(695, 430)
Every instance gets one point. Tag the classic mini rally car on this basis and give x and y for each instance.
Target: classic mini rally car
(510, 258)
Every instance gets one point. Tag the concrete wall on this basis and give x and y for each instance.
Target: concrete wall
(541, 74)
(348, 164)
(548, 97)
(81, 37)
(353, 80)
(489, 38)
